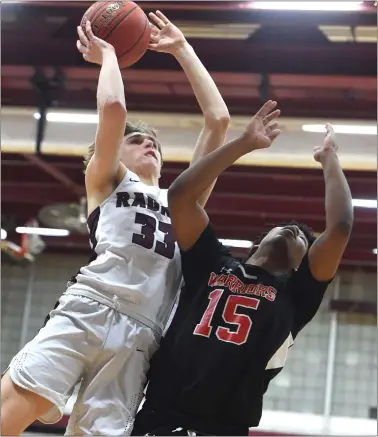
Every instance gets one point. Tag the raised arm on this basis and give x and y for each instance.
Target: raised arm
(326, 252)
(166, 37)
(104, 165)
(189, 219)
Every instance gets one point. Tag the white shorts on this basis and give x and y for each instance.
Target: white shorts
(89, 342)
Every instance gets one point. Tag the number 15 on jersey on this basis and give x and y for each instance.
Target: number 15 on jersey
(230, 315)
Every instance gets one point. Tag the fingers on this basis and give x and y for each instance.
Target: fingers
(82, 49)
(274, 125)
(331, 135)
(329, 128)
(152, 46)
(274, 134)
(266, 109)
(162, 17)
(83, 38)
(271, 127)
(154, 38)
(273, 115)
(154, 29)
(157, 21)
(88, 30)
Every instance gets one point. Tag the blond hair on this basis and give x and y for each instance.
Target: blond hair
(139, 127)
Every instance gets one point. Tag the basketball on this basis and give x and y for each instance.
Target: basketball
(122, 24)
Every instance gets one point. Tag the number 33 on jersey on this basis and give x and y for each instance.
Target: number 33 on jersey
(147, 237)
(135, 256)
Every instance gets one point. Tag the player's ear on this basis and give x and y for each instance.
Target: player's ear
(253, 248)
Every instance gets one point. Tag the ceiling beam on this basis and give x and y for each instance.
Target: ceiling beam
(215, 12)
(57, 174)
(307, 106)
(242, 56)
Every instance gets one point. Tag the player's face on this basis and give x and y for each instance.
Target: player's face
(141, 155)
(292, 240)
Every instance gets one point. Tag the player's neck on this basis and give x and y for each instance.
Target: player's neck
(152, 181)
(273, 265)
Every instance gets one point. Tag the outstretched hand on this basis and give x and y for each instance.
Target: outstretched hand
(91, 47)
(264, 127)
(165, 36)
(329, 144)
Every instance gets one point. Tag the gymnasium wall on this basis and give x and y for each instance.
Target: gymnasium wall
(344, 386)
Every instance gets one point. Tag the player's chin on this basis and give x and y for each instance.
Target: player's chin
(150, 164)
(283, 246)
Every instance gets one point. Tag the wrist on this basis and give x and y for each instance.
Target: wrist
(328, 155)
(108, 50)
(108, 56)
(182, 50)
(248, 142)
(245, 144)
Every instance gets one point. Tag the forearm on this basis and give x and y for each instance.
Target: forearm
(209, 98)
(110, 88)
(338, 198)
(212, 105)
(192, 183)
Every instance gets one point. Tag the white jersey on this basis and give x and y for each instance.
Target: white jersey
(135, 255)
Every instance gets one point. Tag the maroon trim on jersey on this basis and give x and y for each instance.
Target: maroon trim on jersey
(92, 222)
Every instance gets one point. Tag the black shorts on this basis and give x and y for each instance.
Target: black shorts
(169, 430)
(153, 423)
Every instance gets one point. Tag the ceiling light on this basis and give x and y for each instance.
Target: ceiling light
(3, 234)
(364, 203)
(244, 244)
(375, 251)
(308, 6)
(342, 129)
(47, 232)
(68, 117)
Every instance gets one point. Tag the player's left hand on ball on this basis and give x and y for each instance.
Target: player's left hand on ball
(165, 36)
(91, 47)
(329, 144)
(264, 127)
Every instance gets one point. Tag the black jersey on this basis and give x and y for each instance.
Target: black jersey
(229, 337)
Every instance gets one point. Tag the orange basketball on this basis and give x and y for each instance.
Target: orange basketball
(122, 24)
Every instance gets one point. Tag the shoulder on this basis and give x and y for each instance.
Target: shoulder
(98, 188)
(206, 246)
(207, 255)
(304, 277)
(307, 294)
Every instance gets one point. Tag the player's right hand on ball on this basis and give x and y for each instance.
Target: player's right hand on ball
(263, 128)
(90, 46)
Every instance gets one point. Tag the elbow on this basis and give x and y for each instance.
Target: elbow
(219, 120)
(115, 109)
(178, 195)
(344, 226)
(175, 193)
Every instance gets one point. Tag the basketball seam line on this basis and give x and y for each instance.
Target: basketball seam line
(99, 12)
(144, 31)
(120, 21)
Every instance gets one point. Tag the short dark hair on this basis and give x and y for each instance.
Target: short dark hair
(131, 128)
(308, 233)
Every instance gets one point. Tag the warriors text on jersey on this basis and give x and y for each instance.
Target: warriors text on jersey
(135, 256)
(229, 337)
